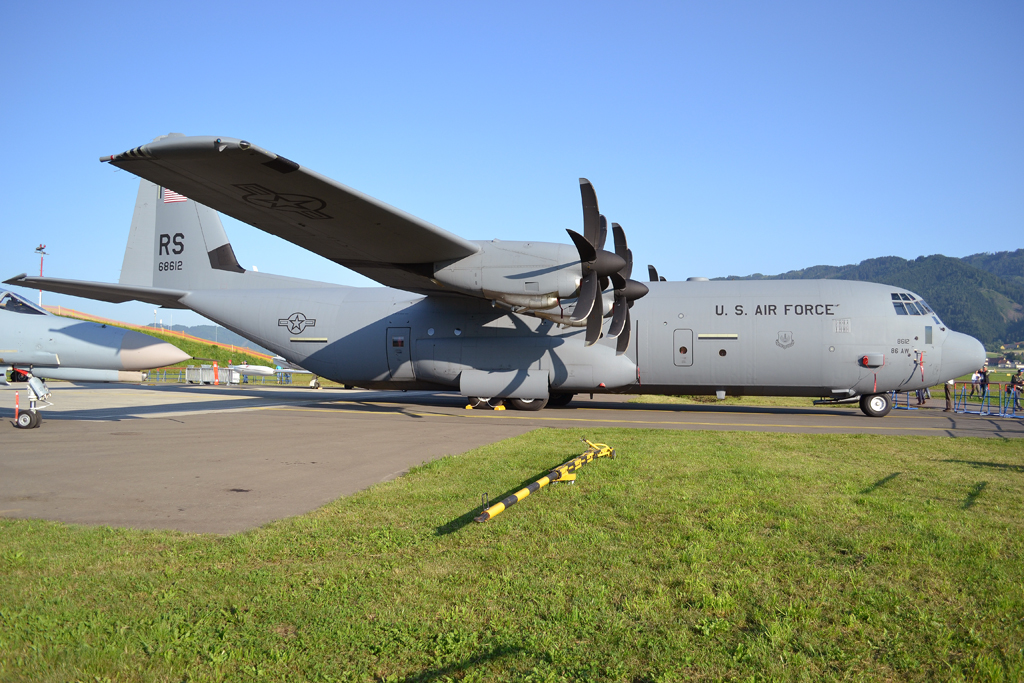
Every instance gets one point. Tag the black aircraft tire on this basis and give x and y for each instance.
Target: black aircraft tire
(559, 400)
(876, 405)
(476, 402)
(37, 418)
(527, 403)
(24, 421)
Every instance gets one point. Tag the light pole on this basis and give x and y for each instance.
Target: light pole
(41, 251)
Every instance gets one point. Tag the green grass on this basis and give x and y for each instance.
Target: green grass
(207, 352)
(193, 348)
(692, 555)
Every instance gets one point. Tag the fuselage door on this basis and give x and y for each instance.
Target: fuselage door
(682, 347)
(400, 353)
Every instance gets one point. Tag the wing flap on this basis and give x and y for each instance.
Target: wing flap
(301, 206)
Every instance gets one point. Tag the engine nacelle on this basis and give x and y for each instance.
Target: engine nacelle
(530, 275)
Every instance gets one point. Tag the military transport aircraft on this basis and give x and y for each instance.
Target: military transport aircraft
(530, 323)
(36, 343)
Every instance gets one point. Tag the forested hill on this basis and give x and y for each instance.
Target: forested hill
(1008, 265)
(981, 295)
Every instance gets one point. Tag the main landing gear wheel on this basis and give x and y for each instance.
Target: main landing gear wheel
(876, 405)
(559, 400)
(527, 403)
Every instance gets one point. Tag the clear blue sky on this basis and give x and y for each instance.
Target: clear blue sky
(727, 138)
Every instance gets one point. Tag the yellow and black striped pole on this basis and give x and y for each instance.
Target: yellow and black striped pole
(595, 450)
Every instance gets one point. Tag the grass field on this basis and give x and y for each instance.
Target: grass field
(692, 555)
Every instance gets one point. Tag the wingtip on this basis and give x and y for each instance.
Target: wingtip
(16, 279)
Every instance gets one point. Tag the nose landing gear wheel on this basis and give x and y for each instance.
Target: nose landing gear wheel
(876, 405)
(27, 419)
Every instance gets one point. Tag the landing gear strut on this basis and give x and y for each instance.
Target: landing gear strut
(37, 392)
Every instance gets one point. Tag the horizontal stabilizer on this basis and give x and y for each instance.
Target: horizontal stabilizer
(101, 291)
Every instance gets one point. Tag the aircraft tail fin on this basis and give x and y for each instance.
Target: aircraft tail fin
(175, 243)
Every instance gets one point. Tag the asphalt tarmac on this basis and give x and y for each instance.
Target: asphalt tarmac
(225, 459)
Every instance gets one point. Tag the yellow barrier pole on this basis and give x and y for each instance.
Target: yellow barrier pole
(596, 450)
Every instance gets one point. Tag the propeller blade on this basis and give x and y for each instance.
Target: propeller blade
(595, 320)
(587, 251)
(653, 273)
(603, 234)
(622, 250)
(620, 311)
(620, 239)
(591, 215)
(623, 341)
(585, 303)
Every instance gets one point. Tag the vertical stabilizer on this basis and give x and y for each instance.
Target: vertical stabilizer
(137, 267)
(175, 243)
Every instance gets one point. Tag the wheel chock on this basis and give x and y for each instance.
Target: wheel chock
(469, 406)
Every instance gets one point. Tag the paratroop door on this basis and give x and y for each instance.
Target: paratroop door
(400, 353)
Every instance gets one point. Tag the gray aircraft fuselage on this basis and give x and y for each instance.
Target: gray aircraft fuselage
(778, 337)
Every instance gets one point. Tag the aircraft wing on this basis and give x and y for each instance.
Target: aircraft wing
(168, 298)
(285, 199)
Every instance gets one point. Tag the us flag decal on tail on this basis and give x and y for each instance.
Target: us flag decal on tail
(171, 196)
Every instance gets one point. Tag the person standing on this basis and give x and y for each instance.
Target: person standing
(975, 378)
(983, 382)
(949, 396)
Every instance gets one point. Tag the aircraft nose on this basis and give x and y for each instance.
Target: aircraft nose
(961, 354)
(142, 352)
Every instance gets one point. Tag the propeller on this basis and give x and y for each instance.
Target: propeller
(626, 292)
(596, 263)
(653, 272)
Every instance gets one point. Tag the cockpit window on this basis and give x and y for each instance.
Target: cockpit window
(908, 304)
(15, 304)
